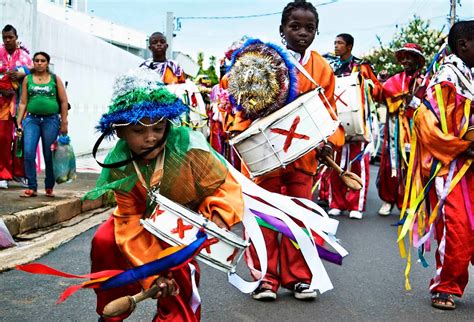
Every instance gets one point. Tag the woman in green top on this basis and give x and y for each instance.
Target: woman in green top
(44, 100)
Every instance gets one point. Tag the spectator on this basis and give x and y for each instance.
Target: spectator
(15, 63)
(169, 70)
(44, 100)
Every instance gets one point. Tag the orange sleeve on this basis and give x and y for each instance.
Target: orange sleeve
(367, 73)
(237, 122)
(227, 202)
(445, 147)
(170, 78)
(135, 243)
(224, 82)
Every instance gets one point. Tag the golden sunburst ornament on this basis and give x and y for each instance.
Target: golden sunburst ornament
(261, 79)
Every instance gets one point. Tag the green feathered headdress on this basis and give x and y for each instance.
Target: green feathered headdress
(138, 94)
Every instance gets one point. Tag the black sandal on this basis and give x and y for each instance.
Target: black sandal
(443, 301)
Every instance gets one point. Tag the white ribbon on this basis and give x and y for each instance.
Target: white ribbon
(285, 208)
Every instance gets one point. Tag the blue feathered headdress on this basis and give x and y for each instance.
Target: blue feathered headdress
(139, 94)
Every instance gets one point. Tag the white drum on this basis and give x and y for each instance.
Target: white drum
(178, 225)
(196, 118)
(282, 137)
(350, 108)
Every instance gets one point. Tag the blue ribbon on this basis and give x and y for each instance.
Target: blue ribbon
(160, 265)
(421, 257)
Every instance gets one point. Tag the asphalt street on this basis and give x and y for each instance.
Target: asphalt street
(369, 286)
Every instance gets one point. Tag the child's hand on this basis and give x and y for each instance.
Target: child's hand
(167, 286)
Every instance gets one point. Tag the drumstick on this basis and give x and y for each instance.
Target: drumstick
(128, 303)
(469, 135)
(350, 179)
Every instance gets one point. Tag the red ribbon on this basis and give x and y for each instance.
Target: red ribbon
(37, 268)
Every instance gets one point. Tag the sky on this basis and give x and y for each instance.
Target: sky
(205, 26)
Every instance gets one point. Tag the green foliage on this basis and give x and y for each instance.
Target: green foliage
(417, 31)
(211, 71)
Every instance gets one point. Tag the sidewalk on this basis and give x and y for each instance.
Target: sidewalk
(22, 215)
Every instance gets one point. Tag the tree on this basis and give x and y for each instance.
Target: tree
(200, 60)
(417, 31)
(211, 71)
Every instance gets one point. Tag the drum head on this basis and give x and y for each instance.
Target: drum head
(261, 79)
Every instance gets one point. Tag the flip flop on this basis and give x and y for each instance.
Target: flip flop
(443, 301)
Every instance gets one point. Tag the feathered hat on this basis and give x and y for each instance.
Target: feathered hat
(137, 94)
(262, 78)
(414, 49)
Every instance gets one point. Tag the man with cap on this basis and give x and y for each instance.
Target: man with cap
(401, 93)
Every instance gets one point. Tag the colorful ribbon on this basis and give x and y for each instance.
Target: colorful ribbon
(169, 259)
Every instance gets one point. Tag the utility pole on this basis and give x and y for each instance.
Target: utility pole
(169, 34)
(452, 13)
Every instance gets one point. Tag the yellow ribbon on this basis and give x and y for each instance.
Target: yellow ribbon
(453, 184)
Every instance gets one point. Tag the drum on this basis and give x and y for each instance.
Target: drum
(178, 225)
(282, 137)
(196, 118)
(350, 107)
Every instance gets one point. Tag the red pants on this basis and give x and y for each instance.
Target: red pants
(106, 255)
(391, 188)
(340, 196)
(10, 165)
(286, 265)
(455, 239)
(324, 185)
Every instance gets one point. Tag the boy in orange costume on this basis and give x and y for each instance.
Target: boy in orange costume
(286, 266)
(169, 70)
(179, 163)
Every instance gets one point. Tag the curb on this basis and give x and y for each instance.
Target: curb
(55, 212)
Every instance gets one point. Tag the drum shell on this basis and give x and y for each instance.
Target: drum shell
(350, 108)
(263, 150)
(222, 255)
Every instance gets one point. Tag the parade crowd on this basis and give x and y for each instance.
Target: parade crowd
(425, 166)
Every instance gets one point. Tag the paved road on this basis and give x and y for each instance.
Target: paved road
(368, 287)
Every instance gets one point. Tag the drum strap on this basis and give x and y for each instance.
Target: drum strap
(132, 158)
(308, 76)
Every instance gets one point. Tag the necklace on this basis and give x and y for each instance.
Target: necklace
(42, 77)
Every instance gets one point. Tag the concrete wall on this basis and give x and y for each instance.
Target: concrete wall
(89, 64)
(22, 15)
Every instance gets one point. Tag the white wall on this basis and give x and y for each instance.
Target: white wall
(89, 64)
(20, 14)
